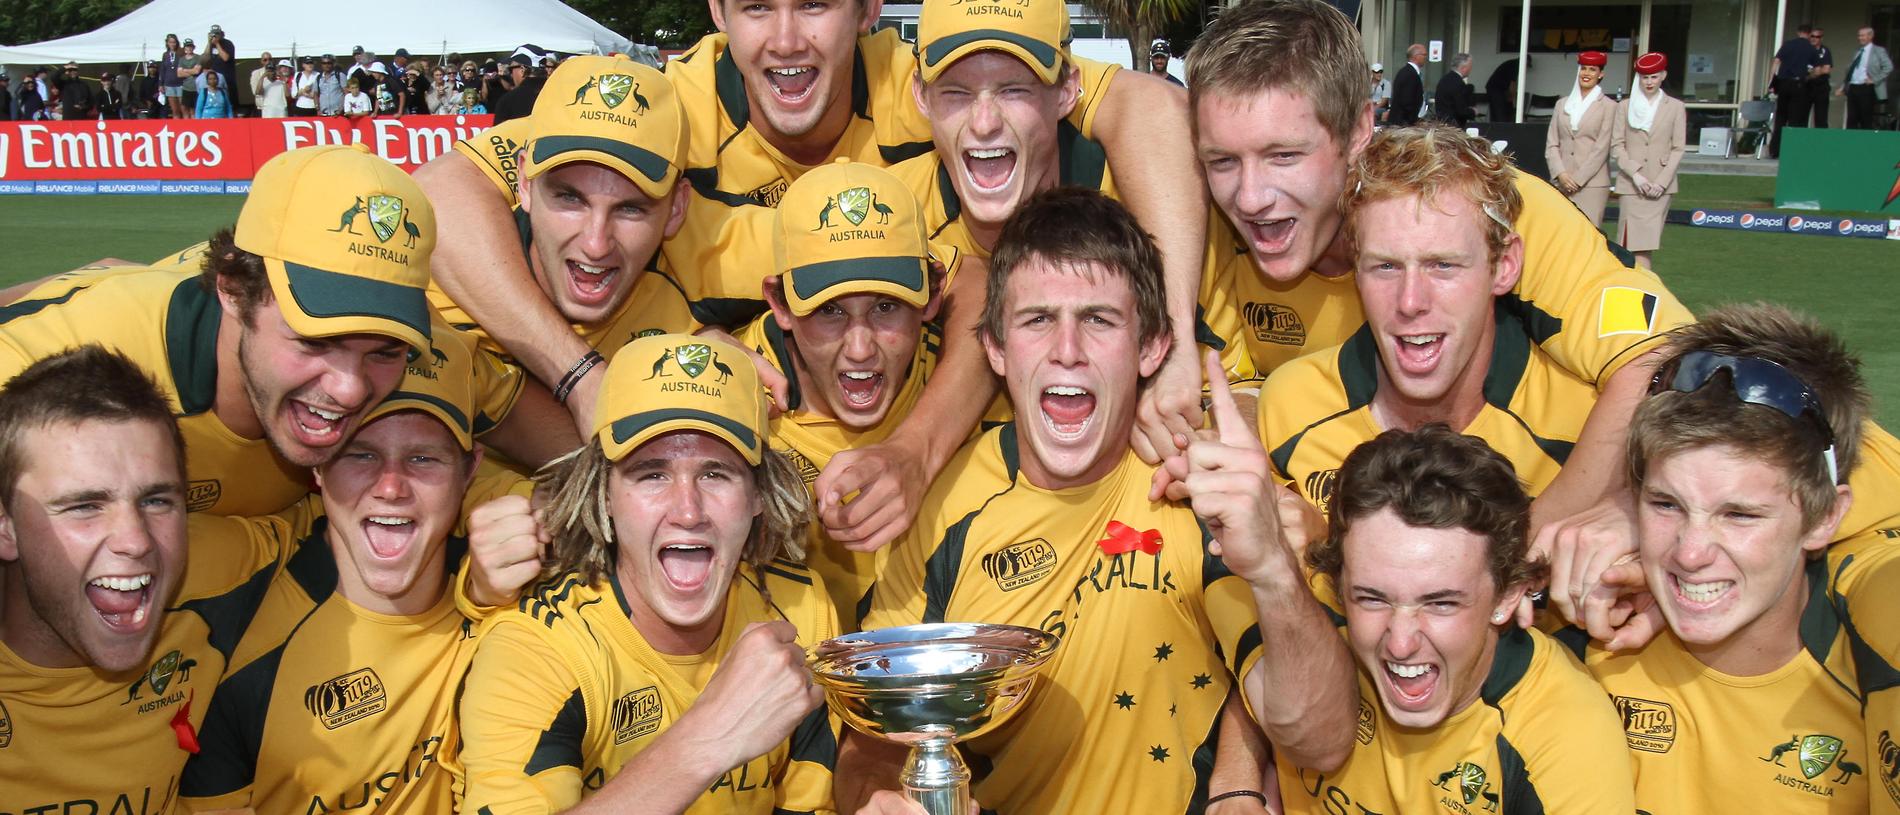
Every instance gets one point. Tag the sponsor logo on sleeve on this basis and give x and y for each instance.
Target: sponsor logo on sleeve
(1647, 726)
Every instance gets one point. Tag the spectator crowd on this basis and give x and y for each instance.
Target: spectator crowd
(186, 83)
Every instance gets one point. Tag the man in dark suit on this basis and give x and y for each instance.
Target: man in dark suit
(1408, 88)
(1789, 73)
(1453, 96)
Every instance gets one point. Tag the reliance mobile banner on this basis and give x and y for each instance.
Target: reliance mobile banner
(93, 157)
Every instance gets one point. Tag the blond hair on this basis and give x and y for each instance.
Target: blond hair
(576, 513)
(1303, 46)
(1426, 161)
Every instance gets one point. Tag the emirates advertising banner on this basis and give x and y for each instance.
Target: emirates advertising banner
(199, 156)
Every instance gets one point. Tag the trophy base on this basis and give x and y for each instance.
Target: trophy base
(936, 778)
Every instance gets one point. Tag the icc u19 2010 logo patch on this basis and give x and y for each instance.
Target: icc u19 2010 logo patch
(351, 697)
(637, 714)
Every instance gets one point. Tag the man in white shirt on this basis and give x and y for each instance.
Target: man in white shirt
(1866, 85)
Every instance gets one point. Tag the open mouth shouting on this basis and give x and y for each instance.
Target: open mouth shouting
(389, 536)
(860, 389)
(990, 168)
(686, 566)
(315, 426)
(1270, 236)
(590, 285)
(792, 86)
(1067, 409)
(124, 602)
(1412, 684)
(1418, 354)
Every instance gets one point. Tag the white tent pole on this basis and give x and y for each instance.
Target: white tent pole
(1523, 58)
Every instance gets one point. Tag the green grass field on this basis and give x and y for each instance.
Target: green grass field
(1851, 285)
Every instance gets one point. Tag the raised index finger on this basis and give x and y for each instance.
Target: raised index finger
(1230, 427)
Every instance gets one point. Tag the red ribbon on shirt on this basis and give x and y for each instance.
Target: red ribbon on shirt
(1123, 539)
(181, 724)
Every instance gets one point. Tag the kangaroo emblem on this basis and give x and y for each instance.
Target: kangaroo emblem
(581, 95)
(348, 222)
(824, 215)
(440, 358)
(725, 373)
(1774, 756)
(659, 365)
(1447, 775)
(883, 212)
(1490, 801)
(184, 674)
(639, 102)
(409, 228)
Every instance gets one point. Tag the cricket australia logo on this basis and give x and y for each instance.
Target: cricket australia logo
(173, 665)
(853, 206)
(1472, 784)
(613, 89)
(637, 714)
(1814, 756)
(387, 214)
(692, 360)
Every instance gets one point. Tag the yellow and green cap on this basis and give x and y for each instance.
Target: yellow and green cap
(669, 382)
(847, 228)
(345, 237)
(440, 380)
(610, 111)
(1035, 31)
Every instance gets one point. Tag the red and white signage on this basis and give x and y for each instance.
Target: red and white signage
(210, 149)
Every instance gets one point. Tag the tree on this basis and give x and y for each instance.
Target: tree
(666, 23)
(1141, 19)
(27, 21)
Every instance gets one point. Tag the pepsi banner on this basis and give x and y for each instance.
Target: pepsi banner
(199, 156)
(1789, 223)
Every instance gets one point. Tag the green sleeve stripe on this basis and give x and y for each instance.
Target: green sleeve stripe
(560, 744)
(232, 735)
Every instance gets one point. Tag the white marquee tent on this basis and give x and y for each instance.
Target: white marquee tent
(426, 29)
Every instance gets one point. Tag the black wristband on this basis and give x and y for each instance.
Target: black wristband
(1254, 794)
(575, 374)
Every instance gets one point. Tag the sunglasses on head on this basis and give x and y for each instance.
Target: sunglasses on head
(1754, 381)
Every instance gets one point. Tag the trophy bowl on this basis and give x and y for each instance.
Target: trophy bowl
(931, 686)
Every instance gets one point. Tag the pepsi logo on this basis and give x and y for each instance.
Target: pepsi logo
(1698, 217)
(1795, 222)
(1846, 226)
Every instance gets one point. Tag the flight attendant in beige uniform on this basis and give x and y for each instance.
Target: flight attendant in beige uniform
(1578, 147)
(1651, 128)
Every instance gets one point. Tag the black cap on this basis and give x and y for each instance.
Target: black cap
(356, 50)
(402, 52)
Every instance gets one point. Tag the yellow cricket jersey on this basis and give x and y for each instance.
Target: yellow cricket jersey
(84, 740)
(1152, 636)
(1864, 577)
(1580, 296)
(1316, 409)
(497, 153)
(326, 705)
(810, 440)
(1081, 161)
(564, 691)
(728, 161)
(166, 322)
(1789, 741)
(1540, 738)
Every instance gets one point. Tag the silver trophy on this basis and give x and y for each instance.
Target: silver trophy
(931, 686)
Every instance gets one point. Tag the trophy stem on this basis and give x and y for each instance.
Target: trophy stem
(935, 777)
